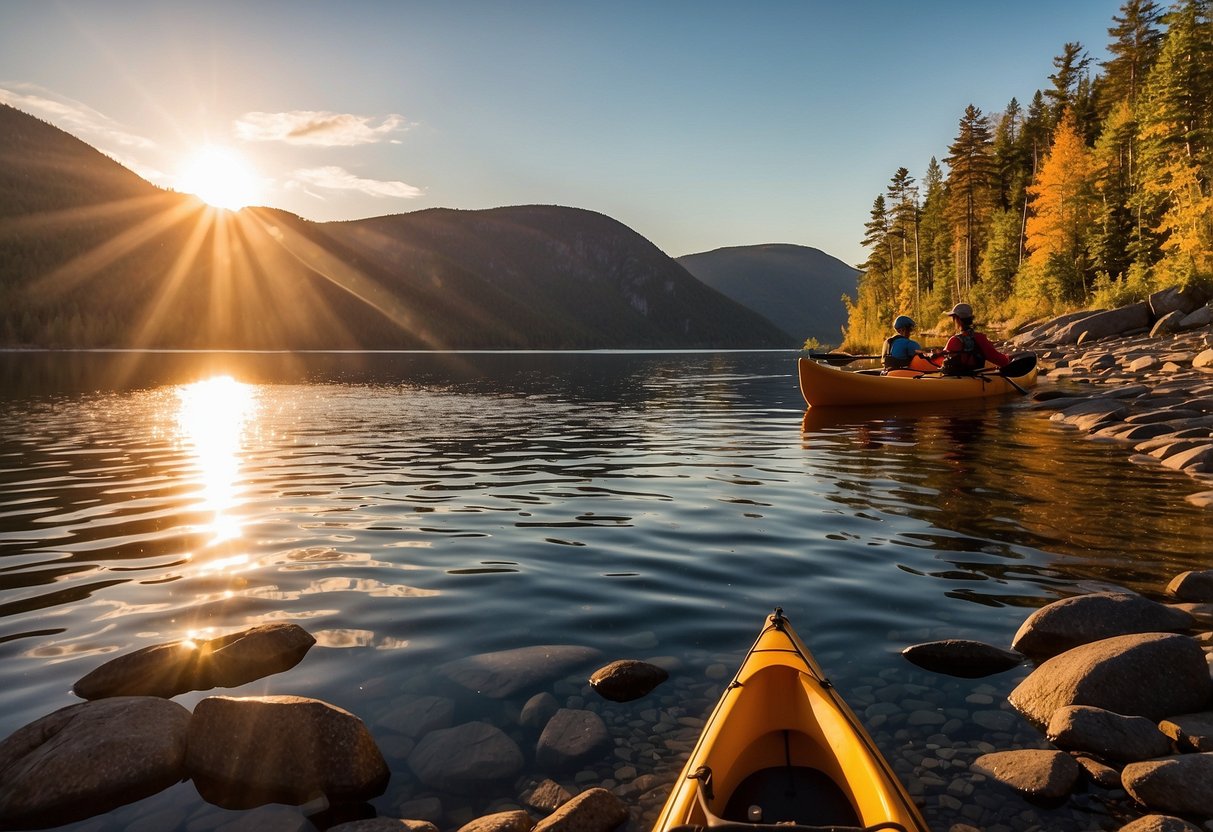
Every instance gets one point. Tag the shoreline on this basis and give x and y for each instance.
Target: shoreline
(1149, 391)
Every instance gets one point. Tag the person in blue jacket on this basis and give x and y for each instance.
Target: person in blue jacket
(900, 349)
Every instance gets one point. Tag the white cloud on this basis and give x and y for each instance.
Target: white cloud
(307, 127)
(333, 178)
(76, 118)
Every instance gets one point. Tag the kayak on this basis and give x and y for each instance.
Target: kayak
(782, 752)
(824, 386)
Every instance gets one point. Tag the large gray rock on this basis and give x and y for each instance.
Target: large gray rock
(1182, 784)
(627, 679)
(465, 758)
(89, 758)
(570, 738)
(501, 674)
(1167, 324)
(1195, 320)
(1064, 624)
(594, 810)
(245, 752)
(179, 666)
(961, 657)
(416, 716)
(1174, 299)
(1122, 739)
(1147, 674)
(1135, 316)
(1033, 772)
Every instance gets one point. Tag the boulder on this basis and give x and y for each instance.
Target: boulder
(1201, 317)
(1110, 736)
(1174, 299)
(179, 666)
(1146, 674)
(504, 673)
(1167, 324)
(627, 679)
(1191, 732)
(1195, 587)
(1204, 361)
(1103, 324)
(416, 716)
(384, 825)
(1182, 784)
(547, 797)
(1101, 775)
(594, 810)
(89, 758)
(466, 758)
(514, 820)
(538, 710)
(570, 738)
(1194, 460)
(1069, 622)
(1036, 773)
(245, 752)
(961, 657)
(1159, 823)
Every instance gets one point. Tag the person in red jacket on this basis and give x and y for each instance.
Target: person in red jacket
(968, 350)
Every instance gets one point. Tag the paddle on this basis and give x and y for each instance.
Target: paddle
(1018, 366)
(838, 359)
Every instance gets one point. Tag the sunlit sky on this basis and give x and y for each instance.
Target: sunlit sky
(699, 124)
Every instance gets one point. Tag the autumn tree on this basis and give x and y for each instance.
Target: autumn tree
(903, 209)
(970, 193)
(1063, 204)
(934, 234)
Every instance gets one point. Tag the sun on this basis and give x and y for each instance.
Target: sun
(220, 177)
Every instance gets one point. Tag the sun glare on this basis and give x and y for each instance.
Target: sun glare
(220, 177)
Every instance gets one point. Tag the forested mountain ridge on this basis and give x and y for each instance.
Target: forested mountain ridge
(1096, 193)
(798, 288)
(91, 255)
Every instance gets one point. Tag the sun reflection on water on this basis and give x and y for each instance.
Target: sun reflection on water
(213, 417)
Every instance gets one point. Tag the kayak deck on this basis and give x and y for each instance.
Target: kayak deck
(782, 747)
(824, 386)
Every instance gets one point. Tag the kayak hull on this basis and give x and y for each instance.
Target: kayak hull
(824, 386)
(782, 747)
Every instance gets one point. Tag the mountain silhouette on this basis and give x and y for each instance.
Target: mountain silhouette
(91, 255)
(798, 288)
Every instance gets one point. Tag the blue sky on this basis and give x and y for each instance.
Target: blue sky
(699, 124)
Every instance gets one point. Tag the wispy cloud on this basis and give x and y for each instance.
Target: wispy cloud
(333, 178)
(308, 127)
(72, 116)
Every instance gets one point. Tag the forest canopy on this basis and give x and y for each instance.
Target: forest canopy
(1095, 194)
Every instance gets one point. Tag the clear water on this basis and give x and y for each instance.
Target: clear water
(408, 509)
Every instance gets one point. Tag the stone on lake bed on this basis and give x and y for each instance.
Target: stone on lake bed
(627, 679)
(1032, 772)
(1070, 622)
(961, 657)
(1192, 586)
(384, 825)
(506, 672)
(1145, 674)
(570, 738)
(1160, 823)
(1190, 731)
(228, 661)
(1181, 783)
(513, 820)
(89, 758)
(245, 752)
(465, 758)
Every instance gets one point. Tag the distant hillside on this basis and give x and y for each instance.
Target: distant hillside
(796, 287)
(92, 255)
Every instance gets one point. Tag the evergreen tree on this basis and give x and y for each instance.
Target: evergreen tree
(1111, 242)
(1136, 39)
(1071, 67)
(936, 241)
(1063, 205)
(970, 193)
(1175, 112)
(903, 202)
(1010, 161)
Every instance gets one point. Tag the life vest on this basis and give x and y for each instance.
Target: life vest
(968, 360)
(887, 359)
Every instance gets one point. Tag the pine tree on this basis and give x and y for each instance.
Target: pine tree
(1136, 39)
(903, 202)
(970, 193)
(1071, 66)
(936, 240)
(1111, 243)
(1063, 204)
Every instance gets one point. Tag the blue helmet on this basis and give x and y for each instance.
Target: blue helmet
(903, 322)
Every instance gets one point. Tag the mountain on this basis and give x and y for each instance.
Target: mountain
(800, 289)
(92, 255)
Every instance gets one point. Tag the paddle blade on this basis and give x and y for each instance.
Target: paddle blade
(839, 358)
(1019, 365)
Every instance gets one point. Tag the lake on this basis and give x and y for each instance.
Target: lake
(412, 508)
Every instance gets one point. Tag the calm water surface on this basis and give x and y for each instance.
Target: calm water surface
(408, 509)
